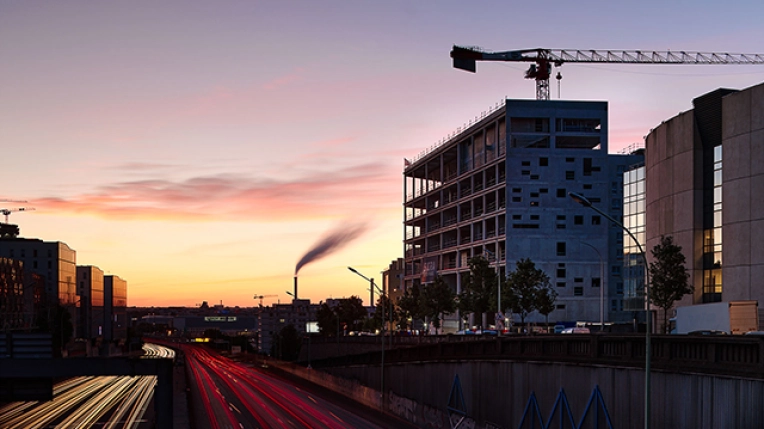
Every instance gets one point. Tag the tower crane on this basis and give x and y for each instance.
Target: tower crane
(7, 212)
(260, 297)
(543, 60)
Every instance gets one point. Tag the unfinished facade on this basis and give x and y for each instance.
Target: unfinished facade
(500, 187)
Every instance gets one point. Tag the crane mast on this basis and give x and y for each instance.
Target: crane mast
(543, 60)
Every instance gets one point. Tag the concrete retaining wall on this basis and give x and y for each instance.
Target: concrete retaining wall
(496, 394)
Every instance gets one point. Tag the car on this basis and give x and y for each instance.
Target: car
(706, 332)
(576, 331)
(558, 329)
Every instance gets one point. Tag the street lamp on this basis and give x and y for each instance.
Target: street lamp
(602, 285)
(499, 312)
(648, 328)
(373, 285)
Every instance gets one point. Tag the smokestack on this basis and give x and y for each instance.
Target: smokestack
(295, 287)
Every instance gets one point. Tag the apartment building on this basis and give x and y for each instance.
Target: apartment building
(54, 260)
(499, 188)
(115, 308)
(276, 317)
(90, 288)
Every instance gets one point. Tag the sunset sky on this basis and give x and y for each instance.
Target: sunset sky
(198, 149)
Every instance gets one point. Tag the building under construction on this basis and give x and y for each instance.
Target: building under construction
(499, 188)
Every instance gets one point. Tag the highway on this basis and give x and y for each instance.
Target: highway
(110, 402)
(231, 395)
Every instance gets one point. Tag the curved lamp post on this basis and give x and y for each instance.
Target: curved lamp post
(499, 312)
(373, 286)
(648, 325)
(602, 285)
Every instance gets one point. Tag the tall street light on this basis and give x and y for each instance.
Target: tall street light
(602, 285)
(373, 285)
(499, 312)
(648, 328)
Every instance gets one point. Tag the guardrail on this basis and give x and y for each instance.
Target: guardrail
(722, 355)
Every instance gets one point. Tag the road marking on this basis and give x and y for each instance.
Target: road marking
(335, 416)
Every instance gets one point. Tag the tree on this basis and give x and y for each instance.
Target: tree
(287, 343)
(328, 321)
(437, 298)
(669, 276)
(409, 305)
(545, 299)
(351, 313)
(477, 287)
(383, 310)
(524, 285)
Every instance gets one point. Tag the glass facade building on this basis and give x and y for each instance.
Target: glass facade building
(634, 220)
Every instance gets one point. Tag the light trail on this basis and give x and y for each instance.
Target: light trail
(262, 400)
(115, 402)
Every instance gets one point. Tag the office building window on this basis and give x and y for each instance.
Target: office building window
(560, 248)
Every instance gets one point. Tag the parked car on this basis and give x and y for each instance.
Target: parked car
(707, 332)
(576, 331)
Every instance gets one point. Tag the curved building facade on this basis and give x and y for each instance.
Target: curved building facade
(705, 183)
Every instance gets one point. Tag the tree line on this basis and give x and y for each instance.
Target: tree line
(524, 290)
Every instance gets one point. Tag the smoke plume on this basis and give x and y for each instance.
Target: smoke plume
(331, 242)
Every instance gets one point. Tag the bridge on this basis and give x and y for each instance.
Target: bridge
(547, 381)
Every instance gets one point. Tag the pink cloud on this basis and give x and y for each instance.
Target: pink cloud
(233, 197)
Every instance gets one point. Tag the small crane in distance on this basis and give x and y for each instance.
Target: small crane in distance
(260, 297)
(7, 212)
(544, 59)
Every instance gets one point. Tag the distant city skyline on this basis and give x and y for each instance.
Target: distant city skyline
(199, 150)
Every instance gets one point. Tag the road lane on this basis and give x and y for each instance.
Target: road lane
(236, 396)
